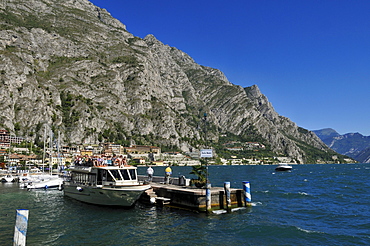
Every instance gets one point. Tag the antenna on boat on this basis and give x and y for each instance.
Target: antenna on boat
(58, 151)
(43, 155)
(51, 152)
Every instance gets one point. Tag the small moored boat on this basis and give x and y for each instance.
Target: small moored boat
(105, 185)
(283, 167)
(8, 178)
(53, 181)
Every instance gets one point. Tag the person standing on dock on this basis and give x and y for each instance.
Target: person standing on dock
(168, 172)
(150, 173)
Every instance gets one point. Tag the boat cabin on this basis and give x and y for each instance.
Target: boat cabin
(104, 176)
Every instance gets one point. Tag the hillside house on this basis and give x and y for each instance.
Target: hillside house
(113, 148)
(234, 148)
(142, 149)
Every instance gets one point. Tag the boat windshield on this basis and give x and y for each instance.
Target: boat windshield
(115, 174)
(125, 174)
(132, 173)
(128, 174)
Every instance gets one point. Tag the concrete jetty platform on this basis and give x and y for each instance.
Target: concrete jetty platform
(188, 197)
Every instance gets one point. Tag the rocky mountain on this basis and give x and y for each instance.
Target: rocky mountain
(363, 156)
(354, 145)
(327, 135)
(69, 66)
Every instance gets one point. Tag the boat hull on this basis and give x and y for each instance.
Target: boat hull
(123, 196)
(283, 168)
(8, 178)
(47, 184)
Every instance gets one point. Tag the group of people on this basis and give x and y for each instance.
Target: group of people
(114, 160)
(167, 172)
(97, 161)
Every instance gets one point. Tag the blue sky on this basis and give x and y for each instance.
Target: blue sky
(311, 58)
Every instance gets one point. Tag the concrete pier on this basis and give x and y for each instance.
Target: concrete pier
(191, 198)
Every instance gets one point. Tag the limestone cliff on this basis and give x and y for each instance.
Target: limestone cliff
(72, 67)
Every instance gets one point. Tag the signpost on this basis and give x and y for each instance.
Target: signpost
(207, 153)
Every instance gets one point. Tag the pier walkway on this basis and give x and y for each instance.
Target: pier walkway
(180, 194)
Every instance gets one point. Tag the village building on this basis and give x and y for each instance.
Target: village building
(6, 140)
(69, 149)
(254, 145)
(112, 148)
(142, 149)
(3, 152)
(13, 159)
(157, 163)
(17, 159)
(234, 148)
(58, 160)
(85, 152)
(138, 160)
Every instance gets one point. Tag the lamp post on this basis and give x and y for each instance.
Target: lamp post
(206, 143)
(208, 184)
(43, 155)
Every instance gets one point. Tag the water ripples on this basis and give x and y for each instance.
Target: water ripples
(312, 205)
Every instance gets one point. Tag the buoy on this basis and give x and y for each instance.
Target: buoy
(152, 200)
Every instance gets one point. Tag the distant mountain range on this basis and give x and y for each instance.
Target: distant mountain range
(354, 145)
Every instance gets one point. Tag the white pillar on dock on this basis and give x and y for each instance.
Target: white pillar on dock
(208, 198)
(227, 194)
(247, 193)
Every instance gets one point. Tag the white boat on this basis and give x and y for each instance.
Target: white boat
(8, 178)
(283, 167)
(48, 182)
(105, 185)
(26, 180)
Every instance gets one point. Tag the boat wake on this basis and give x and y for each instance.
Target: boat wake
(309, 231)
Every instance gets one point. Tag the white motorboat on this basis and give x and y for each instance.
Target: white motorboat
(8, 178)
(50, 182)
(105, 185)
(283, 167)
(39, 180)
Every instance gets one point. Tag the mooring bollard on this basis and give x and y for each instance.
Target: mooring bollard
(227, 194)
(247, 193)
(20, 230)
(208, 198)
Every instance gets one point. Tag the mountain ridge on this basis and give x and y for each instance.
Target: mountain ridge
(71, 67)
(354, 145)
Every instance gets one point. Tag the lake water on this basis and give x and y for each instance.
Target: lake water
(311, 205)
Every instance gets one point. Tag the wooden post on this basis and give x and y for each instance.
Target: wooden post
(20, 230)
(228, 199)
(221, 198)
